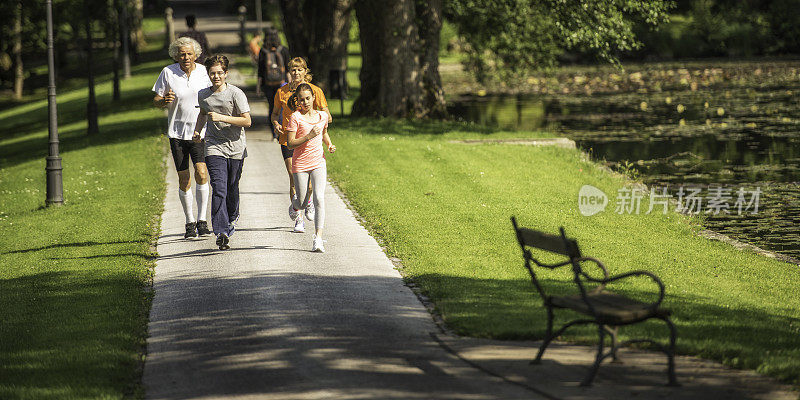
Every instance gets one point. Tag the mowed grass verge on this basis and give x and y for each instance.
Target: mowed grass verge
(75, 280)
(443, 208)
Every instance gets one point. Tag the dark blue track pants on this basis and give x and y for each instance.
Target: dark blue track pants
(225, 174)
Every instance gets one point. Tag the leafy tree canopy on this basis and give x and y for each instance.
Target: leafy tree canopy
(515, 37)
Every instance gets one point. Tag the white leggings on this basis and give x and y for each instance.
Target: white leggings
(318, 180)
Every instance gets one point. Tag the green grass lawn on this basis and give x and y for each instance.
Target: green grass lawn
(75, 280)
(443, 208)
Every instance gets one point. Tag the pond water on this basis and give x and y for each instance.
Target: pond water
(702, 127)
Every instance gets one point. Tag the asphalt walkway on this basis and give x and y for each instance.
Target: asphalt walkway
(268, 319)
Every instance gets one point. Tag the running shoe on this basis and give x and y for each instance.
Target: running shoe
(310, 210)
(299, 226)
(191, 230)
(202, 228)
(222, 241)
(292, 212)
(317, 246)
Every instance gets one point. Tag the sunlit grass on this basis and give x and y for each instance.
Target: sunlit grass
(443, 208)
(75, 279)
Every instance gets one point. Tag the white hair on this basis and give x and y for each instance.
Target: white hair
(183, 41)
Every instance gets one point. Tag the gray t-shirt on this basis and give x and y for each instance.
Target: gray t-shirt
(222, 138)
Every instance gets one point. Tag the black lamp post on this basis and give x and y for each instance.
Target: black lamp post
(55, 190)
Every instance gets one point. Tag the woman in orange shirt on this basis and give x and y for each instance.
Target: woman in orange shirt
(299, 73)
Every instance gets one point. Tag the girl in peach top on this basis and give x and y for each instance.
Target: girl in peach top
(306, 132)
(299, 73)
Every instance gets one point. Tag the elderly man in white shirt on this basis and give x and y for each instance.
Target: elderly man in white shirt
(176, 90)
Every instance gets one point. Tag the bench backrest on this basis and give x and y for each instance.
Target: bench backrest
(558, 244)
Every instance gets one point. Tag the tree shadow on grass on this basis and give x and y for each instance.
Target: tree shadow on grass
(73, 76)
(80, 244)
(74, 327)
(757, 338)
(72, 111)
(76, 138)
(110, 256)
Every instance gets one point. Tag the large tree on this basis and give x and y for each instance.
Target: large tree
(318, 31)
(400, 58)
(399, 49)
(400, 41)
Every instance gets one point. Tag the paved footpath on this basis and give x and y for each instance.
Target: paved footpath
(268, 319)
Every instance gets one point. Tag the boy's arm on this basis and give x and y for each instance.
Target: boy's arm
(243, 120)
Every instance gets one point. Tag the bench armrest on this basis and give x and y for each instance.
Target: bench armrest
(599, 265)
(545, 265)
(610, 279)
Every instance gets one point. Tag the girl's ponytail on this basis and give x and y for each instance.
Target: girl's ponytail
(292, 101)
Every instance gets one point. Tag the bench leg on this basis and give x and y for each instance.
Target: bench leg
(547, 339)
(590, 377)
(614, 343)
(672, 380)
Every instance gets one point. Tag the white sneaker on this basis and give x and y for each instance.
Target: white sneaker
(310, 210)
(299, 226)
(292, 212)
(317, 246)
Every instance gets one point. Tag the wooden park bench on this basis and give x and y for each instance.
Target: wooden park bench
(597, 305)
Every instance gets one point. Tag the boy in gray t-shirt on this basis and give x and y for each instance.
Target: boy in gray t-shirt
(225, 113)
(222, 138)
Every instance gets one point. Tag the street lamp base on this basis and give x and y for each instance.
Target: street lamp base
(55, 189)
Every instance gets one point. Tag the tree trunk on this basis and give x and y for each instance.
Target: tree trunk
(19, 73)
(391, 78)
(318, 31)
(60, 43)
(114, 34)
(294, 25)
(370, 20)
(138, 32)
(169, 25)
(340, 37)
(429, 15)
(399, 49)
(91, 104)
(125, 40)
